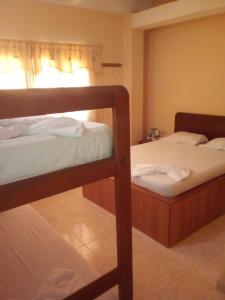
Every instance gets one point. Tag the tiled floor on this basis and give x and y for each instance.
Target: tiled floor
(187, 271)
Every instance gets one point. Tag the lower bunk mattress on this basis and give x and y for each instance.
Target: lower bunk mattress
(36, 263)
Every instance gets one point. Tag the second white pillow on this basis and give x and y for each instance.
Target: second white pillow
(218, 143)
(188, 138)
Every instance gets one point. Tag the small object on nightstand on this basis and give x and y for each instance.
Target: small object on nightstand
(154, 133)
(148, 140)
(153, 136)
(143, 141)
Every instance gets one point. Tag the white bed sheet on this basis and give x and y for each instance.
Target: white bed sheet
(30, 156)
(204, 164)
(30, 251)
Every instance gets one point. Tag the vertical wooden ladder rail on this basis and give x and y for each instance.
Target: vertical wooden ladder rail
(121, 121)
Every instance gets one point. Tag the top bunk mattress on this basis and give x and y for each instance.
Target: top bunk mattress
(204, 164)
(34, 155)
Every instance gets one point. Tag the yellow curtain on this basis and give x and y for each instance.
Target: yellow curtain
(66, 57)
(13, 55)
(32, 57)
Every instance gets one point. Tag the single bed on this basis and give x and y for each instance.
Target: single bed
(17, 190)
(204, 164)
(166, 210)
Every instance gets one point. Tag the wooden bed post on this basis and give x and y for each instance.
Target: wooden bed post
(123, 193)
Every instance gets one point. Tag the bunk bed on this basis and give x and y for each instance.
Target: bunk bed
(33, 102)
(169, 219)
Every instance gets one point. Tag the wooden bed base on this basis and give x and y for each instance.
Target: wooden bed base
(22, 103)
(169, 220)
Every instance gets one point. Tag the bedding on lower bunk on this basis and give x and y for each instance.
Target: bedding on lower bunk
(201, 165)
(36, 263)
(46, 149)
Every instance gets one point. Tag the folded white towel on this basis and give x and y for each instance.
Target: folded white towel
(72, 131)
(62, 126)
(59, 126)
(176, 172)
(46, 125)
(12, 131)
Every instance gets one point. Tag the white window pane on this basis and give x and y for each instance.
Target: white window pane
(79, 115)
(48, 78)
(51, 77)
(13, 79)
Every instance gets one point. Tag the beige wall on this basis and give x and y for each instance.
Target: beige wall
(33, 20)
(185, 71)
(133, 76)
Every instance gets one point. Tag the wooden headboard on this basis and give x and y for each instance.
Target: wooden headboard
(210, 125)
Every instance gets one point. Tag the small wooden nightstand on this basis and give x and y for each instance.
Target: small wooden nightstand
(147, 140)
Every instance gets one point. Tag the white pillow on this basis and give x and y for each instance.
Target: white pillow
(188, 138)
(218, 143)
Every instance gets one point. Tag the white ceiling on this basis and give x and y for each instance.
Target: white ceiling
(115, 6)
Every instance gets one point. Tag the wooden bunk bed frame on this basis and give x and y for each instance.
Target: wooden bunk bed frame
(23, 103)
(169, 220)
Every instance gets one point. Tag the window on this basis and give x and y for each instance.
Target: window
(47, 65)
(50, 77)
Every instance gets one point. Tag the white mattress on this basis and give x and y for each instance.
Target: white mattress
(204, 163)
(36, 263)
(29, 156)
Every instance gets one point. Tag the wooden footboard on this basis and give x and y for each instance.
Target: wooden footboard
(196, 208)
(167, 220)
